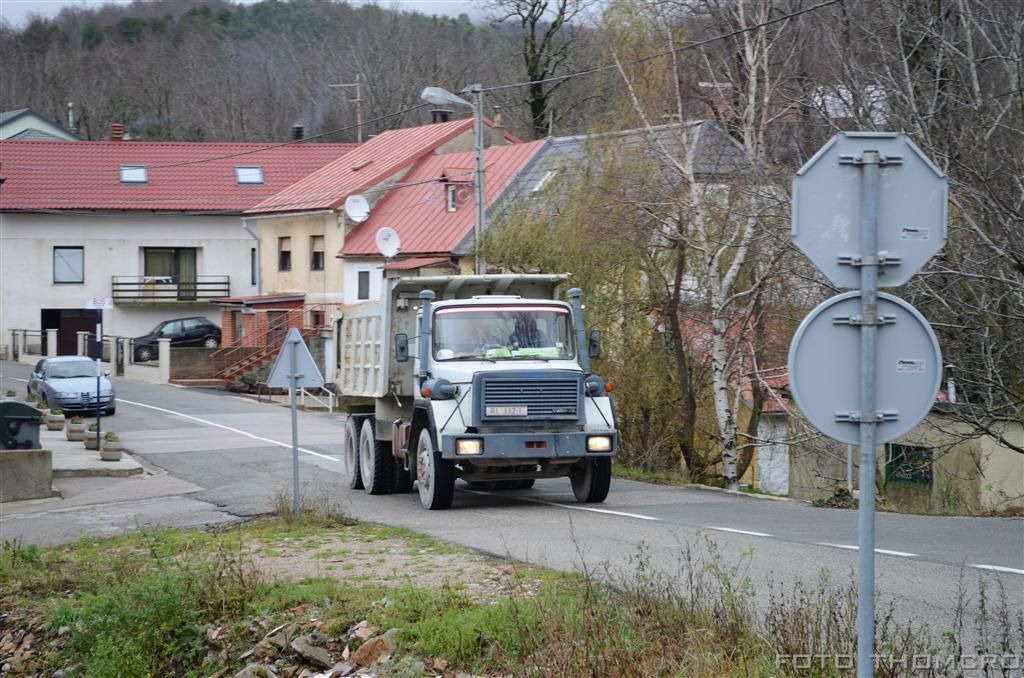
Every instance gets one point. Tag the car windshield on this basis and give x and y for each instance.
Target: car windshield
(503, 333)
(156, 330)
(71, 368)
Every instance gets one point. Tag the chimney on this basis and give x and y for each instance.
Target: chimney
(440, 115)
(497, 117)
(298, 132)
(71, 118)
(116, 132)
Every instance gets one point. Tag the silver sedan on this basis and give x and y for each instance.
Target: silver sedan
(69, 382)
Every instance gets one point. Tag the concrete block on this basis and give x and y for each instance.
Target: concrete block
(25, 474)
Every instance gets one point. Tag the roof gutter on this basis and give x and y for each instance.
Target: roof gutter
(286, 215)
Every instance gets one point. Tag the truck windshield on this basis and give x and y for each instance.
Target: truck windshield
(503, 333)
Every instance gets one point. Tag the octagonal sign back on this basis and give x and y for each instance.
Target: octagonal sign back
(827, 203)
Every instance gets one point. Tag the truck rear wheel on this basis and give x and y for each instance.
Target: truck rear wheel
(375, 460)
(350, 457)
(401, 481)
(591, 482)
(435, 476)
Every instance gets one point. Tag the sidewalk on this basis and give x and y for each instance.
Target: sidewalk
(72, 460)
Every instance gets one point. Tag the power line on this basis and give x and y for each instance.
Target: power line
(688, 46)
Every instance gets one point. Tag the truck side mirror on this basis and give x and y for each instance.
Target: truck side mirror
(402, 347)
(594, 349)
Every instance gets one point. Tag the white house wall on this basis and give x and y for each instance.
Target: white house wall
(351, 268)
(112, 247)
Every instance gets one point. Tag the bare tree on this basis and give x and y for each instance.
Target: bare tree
(547, 37)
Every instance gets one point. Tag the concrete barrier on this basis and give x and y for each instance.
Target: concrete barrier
(25, 474)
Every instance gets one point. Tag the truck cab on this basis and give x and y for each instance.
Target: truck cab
(500, 393)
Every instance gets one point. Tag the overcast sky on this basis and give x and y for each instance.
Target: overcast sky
(16, 12)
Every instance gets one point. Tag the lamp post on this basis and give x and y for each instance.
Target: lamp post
(442, 97)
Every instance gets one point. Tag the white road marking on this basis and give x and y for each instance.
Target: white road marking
(886, 552)
(729, 529)
(901, 554)
(227, 428)
(996, 568)
(565, 506)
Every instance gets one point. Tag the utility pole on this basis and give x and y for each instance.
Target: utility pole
(358, 101)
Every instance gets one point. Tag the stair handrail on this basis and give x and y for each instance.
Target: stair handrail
(222, 358)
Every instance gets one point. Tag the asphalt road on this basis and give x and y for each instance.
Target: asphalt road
(214, 458)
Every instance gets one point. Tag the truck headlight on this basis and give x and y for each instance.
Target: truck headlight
(469, 446)
(599, 444)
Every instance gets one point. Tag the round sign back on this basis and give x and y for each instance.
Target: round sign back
(824, 368)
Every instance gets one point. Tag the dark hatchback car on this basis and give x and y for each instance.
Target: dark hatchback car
(196, 331)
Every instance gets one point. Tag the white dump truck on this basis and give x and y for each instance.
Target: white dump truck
(480, 377)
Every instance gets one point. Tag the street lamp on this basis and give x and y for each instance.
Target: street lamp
(442, 97)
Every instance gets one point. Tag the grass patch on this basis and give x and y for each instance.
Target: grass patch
(145, 604)
(655, 477)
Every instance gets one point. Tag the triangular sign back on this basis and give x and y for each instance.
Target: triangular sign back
(305, 366)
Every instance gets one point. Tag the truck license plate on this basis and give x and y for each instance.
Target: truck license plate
(506, 411)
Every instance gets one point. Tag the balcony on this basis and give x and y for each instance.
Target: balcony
(161, 289)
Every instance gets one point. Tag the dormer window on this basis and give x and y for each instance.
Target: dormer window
(134, 174)
(449, 197)
(249, 175)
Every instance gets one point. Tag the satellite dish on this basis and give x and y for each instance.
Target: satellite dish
(442, 97)
(388, 242)
(356, 208)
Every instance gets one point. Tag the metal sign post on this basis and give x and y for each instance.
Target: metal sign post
(853, 218)
(293, 377)
(295, 368)
(99, 375)
(99, 304)
(868, 335)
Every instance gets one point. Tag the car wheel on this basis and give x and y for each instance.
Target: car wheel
(143, 354)
(210, 342)
(110, 411)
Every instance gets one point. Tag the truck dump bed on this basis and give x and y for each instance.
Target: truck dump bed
(367, 332)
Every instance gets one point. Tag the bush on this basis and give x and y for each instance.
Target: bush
(138, 628)
(111, 437)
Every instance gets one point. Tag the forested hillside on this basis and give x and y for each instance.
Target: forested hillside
(213, 70)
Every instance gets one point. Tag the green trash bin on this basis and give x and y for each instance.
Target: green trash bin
(19, 426)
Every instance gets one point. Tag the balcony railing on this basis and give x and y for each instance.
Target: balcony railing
(157, 289)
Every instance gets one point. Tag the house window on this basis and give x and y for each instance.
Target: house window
(316, 253)
(169, 262)
(249, 175)
(449, 197)
(284, 254)
(316, 318)
(364, 286)
(908, 465)
(69, 265)
(134, 174)
(253, 266)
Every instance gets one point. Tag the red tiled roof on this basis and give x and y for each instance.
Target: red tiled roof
(374, 161)
(416, 262)
(182, 176)
(259, 299)
(417, 210)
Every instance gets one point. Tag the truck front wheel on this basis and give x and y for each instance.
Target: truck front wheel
(375, 460)
(590, 483)
(435, 476)
(350, 457)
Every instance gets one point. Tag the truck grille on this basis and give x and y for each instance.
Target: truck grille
(510, 399)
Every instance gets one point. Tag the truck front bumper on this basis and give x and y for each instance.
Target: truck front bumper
(517, 446)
